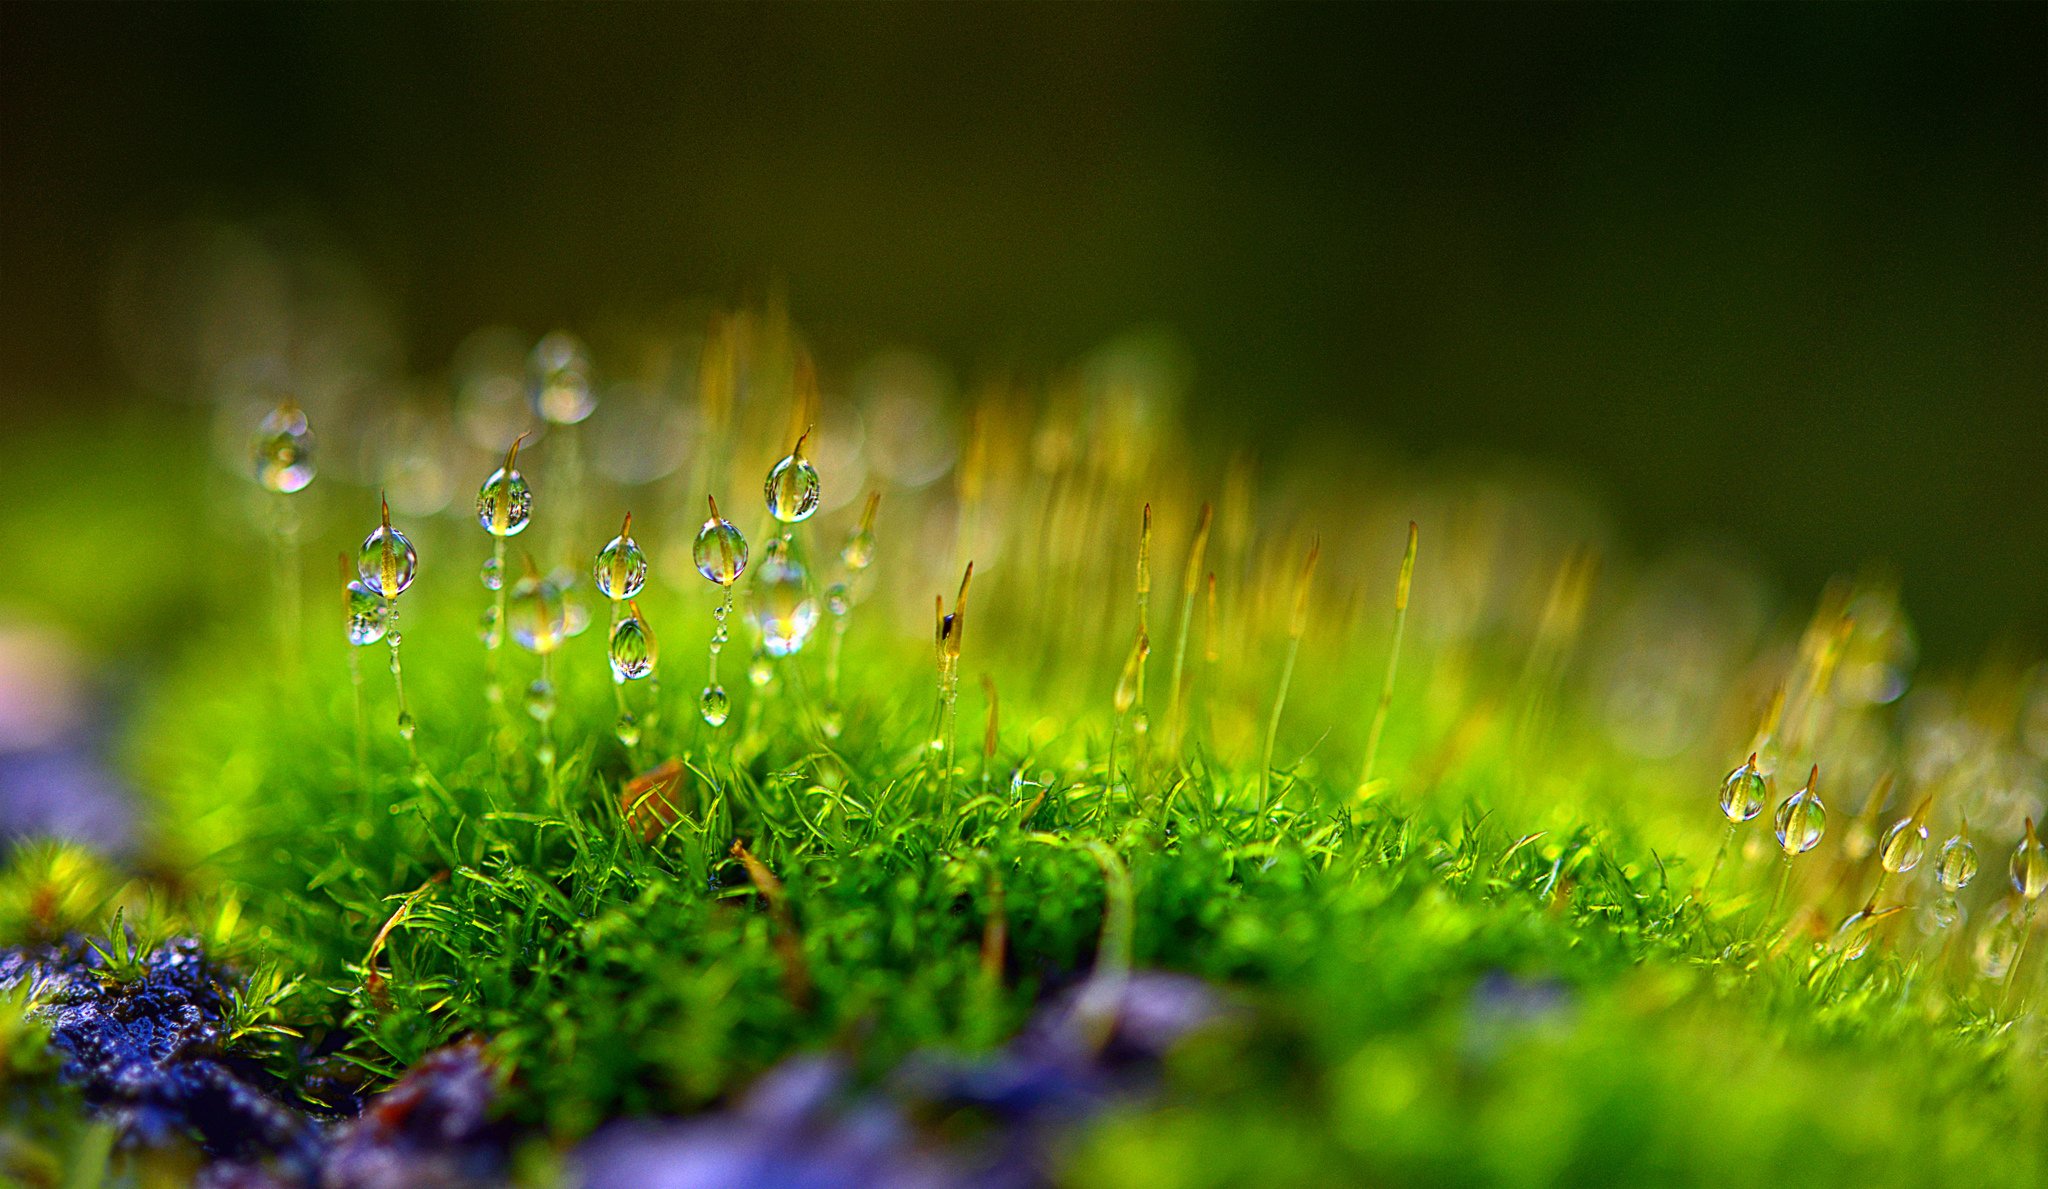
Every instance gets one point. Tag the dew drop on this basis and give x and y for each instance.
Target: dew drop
(493, 574)
(837, 600)
(575, 616)
(632, 650)
(1855, 935)
(387, 561)
(621, 567)
(793, 488)
(488, 628)
(540, 700)
(406, 726)
(538, 621)
(714, 705)
(759, 671)
(283, 450)
(1903, 846)
(2030, 865)
(1958, 864)
(367, 615)
(1944, 912)
(629, 730)
(504, 504)
(1998, 943)
(859, 552)
(783, 608)
(1800, 821)
(559, 371)
(720, 552)
(1743, 792)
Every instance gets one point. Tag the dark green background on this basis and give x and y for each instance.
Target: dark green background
(1773, 273)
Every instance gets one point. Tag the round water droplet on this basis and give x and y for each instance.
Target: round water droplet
(1958, 864)
(859, 552)
(1743, 794)
(720, 551)
(629, 730)
(714, 705)
(538, 621)
(283, 450)
(387, 561)
(2030, 866)
(1855, 935)
(1800, 822)
(783, 609)
(1903, 846)
(367, 615)
(1944, 912)
(559, 373)
(1998, 943)
(632, 650)
(488, 628)
(793, 489)
(621, 569)
(492, 574)
(504, 504)
(837, 601)
(575, 617)
(759, 671)
(540, 700)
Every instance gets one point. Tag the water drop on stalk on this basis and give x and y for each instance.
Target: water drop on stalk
(504, 504)
(1958, 864)
(283, 450)
(1801, 820)
(793, 489)
(784, 610)
(632, 648)
(367, 615)
(1905, 842)
(492, 574)
(2030, 866)
(621, 568)
(720, 554)
(1743, 793)
(714, 705)
(386, 562)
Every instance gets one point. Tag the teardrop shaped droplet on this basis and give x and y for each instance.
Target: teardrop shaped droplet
(1800, 822)
(632, 650)
(283, 450)
(2030, 866)
(538, 622)
(719, 551)
(559, 371)
(793, 489)
(714, 705)
(859, 552)
(387, 561)
(540, 700)
(629, 730)
(1744, 792)
(1958, 864)
(1903, 846)
(837, 600)
(783, 608)
(492, 574)
(367, 615)
(621, 568)
(504, 504)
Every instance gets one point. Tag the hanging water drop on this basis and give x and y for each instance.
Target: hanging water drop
(504, 504)
(1958, 864)
(632, 649)
(1801, 820)
(859, 552)
(1905, 843)
(2030, 866)
(283, 450)
(714, 705)
(538, 622)
(368, 615)
(837, 600)
(783, 610)
(559, 371)
(621, 568)
(720, 552)
(793, 489)
(540, 700)
(489, 628)
(387, 561)
(759, 671)
(492, 574)
(1744, 792)
(628, 730)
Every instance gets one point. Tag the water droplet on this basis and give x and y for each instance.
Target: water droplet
(632, 649)
(406, 727)
(283, 450)
(538, 622)
(783, 609)
(714, 705)
(719, 551)
(367, 615)
(504, 504)
(540, 700)
(629, 730)
(1998, 943)
(1902, 846)
(1943, 912)
(493, 574)
(1854, 936)
(793, 488)
(1958, 864)
(859, 552)
(759, 671)
(559, 372)
(2030, 865)
(621, 567)
(837, 600)
(387, 561)
(488, 628)
(575, 616)
(1743, 793)
(1800, 821)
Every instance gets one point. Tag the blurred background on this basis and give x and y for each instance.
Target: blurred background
(1769, 275)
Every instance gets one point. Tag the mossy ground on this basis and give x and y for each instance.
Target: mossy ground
(1493, 970)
